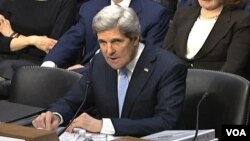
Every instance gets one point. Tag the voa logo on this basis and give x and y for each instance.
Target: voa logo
(236, 132)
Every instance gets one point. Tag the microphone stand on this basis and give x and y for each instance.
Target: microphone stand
(77, 111)
(197, 114)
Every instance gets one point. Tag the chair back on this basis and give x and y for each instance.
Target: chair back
(40, 86)
(227, 101)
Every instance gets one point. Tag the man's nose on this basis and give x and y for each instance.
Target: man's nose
(110, 49)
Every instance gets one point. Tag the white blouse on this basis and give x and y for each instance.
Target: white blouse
(198, 36)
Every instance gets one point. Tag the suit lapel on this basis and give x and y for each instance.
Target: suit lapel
(184, 30)
(111, 85)
(140, 76)
(219, 30)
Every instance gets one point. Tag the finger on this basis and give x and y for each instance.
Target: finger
(48, 121)
(34, 123)
(71, 127)
(54, 124)
(54, 41)
(76, 123)
(39, 122)
(46, 51)
(51, 47)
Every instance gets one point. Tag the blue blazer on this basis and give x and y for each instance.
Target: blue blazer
(153, 17)
(153, 101)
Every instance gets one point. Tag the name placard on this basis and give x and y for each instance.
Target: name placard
(26, 133)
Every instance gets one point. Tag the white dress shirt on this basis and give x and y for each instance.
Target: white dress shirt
(123, 3)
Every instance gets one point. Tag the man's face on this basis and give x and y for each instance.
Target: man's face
(117, 1)
(117, 49)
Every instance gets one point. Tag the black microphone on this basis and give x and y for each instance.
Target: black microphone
(77, 111)
(197, 114)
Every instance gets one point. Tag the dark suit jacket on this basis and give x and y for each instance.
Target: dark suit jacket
(227, 47)
(154, 97)
(247, 7)
(153, 18)
(185, 3)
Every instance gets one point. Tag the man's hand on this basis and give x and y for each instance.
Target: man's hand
(46, 121)
(74, 67)
(86, 122)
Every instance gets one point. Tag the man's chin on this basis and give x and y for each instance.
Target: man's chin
(114, 66)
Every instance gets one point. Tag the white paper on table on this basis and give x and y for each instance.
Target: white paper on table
(10, 139)
(66, 136)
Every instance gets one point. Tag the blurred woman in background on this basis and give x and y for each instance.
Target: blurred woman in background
(212, 35)
(29, 29)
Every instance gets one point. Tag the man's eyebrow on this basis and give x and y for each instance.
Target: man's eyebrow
(101, 40)
(117, 39)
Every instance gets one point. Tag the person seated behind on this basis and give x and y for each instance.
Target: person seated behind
(30, 33)
(185, 3)
(155, 80)
(27, 34)
(214, 35)
(79, 4)
(169, 4)
(247, 7)
(154, 20)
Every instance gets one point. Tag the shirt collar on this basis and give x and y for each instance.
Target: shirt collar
(132, 64)
(124, 3)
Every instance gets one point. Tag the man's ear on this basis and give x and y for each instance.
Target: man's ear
(136, 40)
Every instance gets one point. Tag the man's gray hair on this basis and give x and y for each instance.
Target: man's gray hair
(124, 18)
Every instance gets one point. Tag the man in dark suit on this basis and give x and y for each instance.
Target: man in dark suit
(156, 83)
(169, 4)
(185, 3)
(153, 17)
(247, 7)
